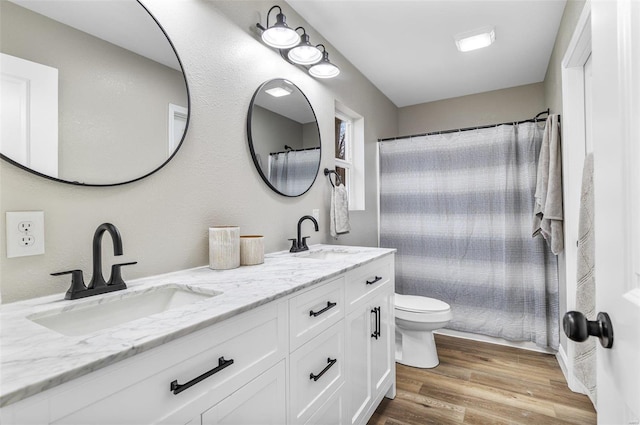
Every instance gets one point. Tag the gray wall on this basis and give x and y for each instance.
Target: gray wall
(553, 78)
(113, 104)
(271, 131)
(512, 104)
(164, 218)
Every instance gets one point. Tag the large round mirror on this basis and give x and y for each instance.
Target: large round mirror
(284, 137)
(92, 92)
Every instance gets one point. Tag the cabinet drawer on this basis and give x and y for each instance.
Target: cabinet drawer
(140, 390)
(262, 401)
(316, 372)
(361, 282)
(332, 412)
(314, 311)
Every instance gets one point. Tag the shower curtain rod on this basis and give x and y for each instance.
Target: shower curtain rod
(294, 150)
(535, 119)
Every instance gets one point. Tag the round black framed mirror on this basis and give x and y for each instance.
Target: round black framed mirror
(107, 99)
(284, 137)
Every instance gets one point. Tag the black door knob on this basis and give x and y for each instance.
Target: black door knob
(578, 328)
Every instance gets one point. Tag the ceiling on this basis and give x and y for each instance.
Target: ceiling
(407, 49)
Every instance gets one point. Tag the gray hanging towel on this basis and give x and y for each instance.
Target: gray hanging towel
(339, 212)
(548, 215)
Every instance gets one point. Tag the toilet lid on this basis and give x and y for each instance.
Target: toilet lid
(417, 303)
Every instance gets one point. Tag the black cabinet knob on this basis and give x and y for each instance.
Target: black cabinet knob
(578, 328)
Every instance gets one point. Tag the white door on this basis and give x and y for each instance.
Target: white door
(177, 125)
(616, 137)
(29, 114)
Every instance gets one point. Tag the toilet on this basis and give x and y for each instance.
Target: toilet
(416, 319)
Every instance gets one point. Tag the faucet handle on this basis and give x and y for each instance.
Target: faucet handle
(77, 282)
(304, 246)
(294, 245)
(116, 274)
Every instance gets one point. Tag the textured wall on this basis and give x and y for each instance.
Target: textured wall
(212, 181)
(512, 104)
(553, 78)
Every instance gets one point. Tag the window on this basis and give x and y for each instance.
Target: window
(349, 154)
(343, 143)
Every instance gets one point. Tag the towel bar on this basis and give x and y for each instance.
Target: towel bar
(328, 172)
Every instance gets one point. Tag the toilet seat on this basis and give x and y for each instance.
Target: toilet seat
(419, 304)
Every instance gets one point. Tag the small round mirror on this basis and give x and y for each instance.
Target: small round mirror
(284, 137)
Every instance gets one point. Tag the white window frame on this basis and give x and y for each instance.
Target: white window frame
(354, 156)
(176, 112)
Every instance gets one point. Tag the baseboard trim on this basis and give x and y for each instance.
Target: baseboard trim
(493, 340)
(561, 356)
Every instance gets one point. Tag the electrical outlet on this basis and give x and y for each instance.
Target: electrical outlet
(25, 226)
(25, 233)
(27, 240)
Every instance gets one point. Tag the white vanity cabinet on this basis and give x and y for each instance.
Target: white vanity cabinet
(355, 328)
(319, 355)
(139, 389)
(317, 344)
(371, 334)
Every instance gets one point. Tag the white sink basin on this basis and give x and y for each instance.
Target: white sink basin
(116, 308)
(325, 254)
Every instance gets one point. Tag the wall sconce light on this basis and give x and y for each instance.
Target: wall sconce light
(279, 35)
(297, 49)
(324, 68)
(304, 53)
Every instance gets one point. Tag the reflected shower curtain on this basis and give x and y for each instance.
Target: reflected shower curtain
(458, 207)
(292, 172)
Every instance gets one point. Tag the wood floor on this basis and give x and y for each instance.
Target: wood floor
(481, 383)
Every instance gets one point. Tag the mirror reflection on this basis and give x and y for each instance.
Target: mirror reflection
(92, 91)
(284, 137)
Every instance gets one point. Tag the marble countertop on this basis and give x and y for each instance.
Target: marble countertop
(34, 358)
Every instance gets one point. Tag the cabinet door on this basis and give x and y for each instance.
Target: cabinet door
(261, 401)
(382, 348)
(358, 362)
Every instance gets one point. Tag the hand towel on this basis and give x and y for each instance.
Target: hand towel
(548, 214)
(339, 212)
(584, 357)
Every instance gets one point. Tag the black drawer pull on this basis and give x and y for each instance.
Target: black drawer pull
(318, 376)
(377, 279)
(222, 363)
(330, 305)
(376, 332)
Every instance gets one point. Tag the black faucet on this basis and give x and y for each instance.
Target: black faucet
(300, 244)
(98, 285)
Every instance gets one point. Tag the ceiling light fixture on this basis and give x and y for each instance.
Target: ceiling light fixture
(324, 68)
(297, 49)
(279, 91)
(279, 35)
(477, 39)
(304, 53)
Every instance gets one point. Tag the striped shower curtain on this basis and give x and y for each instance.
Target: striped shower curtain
(458, 207)
(293, 172)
